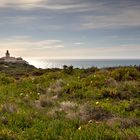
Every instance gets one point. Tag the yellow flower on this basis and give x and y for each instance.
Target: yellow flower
(97, 103)
(79, 128)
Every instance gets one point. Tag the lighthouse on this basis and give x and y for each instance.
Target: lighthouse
(7, 54)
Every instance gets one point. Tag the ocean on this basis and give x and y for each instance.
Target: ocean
(83, 63)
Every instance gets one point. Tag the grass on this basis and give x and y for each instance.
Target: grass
(68, 103)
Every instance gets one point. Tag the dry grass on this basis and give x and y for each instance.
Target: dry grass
(9, 108)
(67, 105)
(45, 101)
(88, 112)
(56, 88)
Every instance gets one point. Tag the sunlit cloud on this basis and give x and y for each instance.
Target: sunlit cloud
(27, 47)
(68, 6)
(78, 43)
(19, 3)
(24, 45)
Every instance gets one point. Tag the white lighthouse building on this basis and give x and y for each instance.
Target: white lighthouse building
(7, 58)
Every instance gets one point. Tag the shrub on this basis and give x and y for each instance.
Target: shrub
(110, 92)
(123, 90)
(110, 82)
(134, 105)
(91, 70)
(5, 80)
(68, 69)
(7, 134)
(126, 73)
(95, 80)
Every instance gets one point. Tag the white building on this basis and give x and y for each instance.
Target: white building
(8, 58)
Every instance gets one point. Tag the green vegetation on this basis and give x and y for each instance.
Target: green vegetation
(69, 103)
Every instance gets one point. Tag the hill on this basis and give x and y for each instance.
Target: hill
(68, 103)
(16, 69)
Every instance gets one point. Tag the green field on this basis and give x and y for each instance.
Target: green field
(69, 103)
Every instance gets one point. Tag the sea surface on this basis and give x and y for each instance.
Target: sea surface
(83, 63)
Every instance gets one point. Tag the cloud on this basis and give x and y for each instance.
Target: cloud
(27, 47)
(19, 3)
(120, 18)
(55, 5)
(54, 14)
(78, 43)
(120, 51)
(22, 45)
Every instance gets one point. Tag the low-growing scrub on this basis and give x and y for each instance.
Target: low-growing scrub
(69, 103)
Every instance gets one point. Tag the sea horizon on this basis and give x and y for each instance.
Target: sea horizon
(83, 63)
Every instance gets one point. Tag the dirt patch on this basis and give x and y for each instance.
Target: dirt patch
(88, 112)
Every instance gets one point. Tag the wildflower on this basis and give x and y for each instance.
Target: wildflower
(78, 77)
(97, 103)
(97, 122)
(91, 82)
(79, 128)
(68, 84)
(38, 93)
(94, 76)
(26, 95)
(90, 121)
(21, 94)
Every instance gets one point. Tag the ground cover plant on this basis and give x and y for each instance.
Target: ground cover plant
(69, 103)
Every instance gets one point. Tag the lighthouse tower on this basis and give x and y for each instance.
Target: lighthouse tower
(7, 54)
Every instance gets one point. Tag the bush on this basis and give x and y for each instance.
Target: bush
(126, 73)
(5, 80)
(68, 69)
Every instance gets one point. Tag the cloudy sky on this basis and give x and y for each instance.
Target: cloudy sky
(70, 28)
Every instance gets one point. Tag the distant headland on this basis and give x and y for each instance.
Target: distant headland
(7, 58)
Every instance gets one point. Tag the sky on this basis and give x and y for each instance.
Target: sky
(70, 28)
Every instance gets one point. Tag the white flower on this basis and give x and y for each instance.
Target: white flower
(90, 121)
